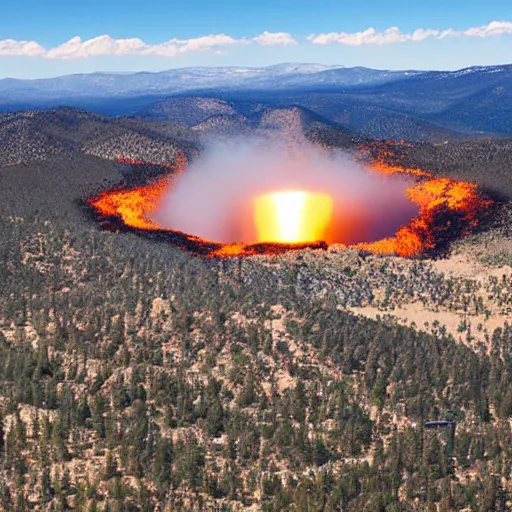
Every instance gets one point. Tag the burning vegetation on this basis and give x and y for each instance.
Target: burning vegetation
(241, 200)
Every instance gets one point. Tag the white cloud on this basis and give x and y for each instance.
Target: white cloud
(11, 47)
(75, 48)
(421, 34)
(393, 35)
(495, 28)
(275, 39)
(103, 45)
(199, 44)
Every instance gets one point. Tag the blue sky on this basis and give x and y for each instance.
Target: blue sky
(158, 34)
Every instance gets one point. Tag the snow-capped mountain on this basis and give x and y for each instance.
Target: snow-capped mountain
(279, 76)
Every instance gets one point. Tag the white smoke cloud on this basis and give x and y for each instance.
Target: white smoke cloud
(393, 35)
(214, 199)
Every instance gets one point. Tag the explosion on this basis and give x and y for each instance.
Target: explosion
(292, 217)
(245, 199)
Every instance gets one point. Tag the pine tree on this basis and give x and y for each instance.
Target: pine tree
(47, 490)
(2, 437)
(110, 466)
(59, 439)
(21, 503)
(162, 464)
(215, 418)
(5, 495)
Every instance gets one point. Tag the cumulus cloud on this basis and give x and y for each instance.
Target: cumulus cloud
(10, 47)
(76, 48)
(198, 44)
(495, 28)
(371, 36)
(103, 45)
(393, 35)
(275, 39)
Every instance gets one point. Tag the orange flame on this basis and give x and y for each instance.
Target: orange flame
(296, 219)
(133, 206)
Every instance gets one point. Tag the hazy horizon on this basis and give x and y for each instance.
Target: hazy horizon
(242, 66)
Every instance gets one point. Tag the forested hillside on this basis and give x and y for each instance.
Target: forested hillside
(138, 377)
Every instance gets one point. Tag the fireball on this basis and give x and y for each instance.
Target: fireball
(292, 216)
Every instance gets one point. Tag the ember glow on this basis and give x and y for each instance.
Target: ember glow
(254, 202)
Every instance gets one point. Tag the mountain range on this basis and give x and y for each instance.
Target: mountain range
(414, 105)
(193, 79)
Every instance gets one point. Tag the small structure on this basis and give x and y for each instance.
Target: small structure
(445, 424)
(437, 424)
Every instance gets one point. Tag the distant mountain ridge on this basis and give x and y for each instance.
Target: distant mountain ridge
(413, 105)
(199, 78)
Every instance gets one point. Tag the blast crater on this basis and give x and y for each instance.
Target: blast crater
(242, 198)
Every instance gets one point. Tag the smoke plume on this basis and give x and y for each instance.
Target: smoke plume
(215, 198)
